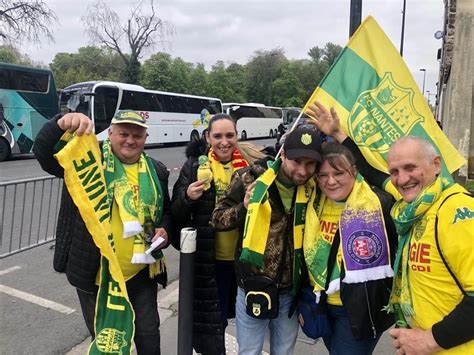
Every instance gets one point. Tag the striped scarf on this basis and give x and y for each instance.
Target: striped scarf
(81, 159)
(257, 222)
(405, 215)
(364, 241)
(139, 214)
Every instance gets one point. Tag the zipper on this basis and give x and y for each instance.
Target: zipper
(370, 313)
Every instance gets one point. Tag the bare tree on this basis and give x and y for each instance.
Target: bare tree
(130, 39)
(25, 20)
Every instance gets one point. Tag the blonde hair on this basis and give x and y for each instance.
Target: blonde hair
(250, 152)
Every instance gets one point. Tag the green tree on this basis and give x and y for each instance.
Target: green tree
(89, 63)
(199, 81)
(236, 74)
(10, 54)
(262, 70)
(157, 72)
(219, 82)
(287, 89)
(181, 72)
(140, 31)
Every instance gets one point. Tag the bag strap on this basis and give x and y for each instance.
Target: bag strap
(439, 247)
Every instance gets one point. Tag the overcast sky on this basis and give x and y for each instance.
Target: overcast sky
(207, 31)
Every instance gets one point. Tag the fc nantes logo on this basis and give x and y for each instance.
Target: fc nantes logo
(382, 115)
(306, 139)
(111, 341)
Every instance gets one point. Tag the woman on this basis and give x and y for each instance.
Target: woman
(202, 180)
(349, 254)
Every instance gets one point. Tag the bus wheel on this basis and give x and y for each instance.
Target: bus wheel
(4, 149)
(243, 136)
(194, 136)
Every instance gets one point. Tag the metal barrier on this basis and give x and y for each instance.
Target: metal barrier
(28, 214)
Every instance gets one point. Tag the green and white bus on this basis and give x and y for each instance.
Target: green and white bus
(28, 99)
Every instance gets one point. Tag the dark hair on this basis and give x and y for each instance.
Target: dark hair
(337, 155)
(220, 116)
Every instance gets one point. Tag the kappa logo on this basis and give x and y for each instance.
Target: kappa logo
(462, 214)
(382, 115)
(111, 341)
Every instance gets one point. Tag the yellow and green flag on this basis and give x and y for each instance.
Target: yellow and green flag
(377, 99)
(81, 159)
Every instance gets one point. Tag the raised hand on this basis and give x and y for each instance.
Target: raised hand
(327, 121)
(76, 122)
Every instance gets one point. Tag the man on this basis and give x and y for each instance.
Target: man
(279, 236)
(134, 185)
(435, 220)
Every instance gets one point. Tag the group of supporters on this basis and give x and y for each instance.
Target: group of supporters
(316, 217)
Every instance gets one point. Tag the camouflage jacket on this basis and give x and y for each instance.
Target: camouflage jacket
(230, 213)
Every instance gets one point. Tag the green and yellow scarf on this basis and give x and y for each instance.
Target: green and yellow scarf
(81, 159)
(364, 241)
(257, 222)
(136, 211)
(405, 215)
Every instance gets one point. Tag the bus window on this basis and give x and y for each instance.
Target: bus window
(28, 97)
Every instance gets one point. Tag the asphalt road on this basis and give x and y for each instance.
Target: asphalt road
(39, 311)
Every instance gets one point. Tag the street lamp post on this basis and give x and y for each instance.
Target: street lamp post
(402, 36)
(424, 78)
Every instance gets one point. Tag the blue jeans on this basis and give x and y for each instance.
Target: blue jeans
(251, 331)
(142, 292)
(341, 341)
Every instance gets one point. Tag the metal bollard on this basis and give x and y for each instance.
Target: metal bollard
(186, 288)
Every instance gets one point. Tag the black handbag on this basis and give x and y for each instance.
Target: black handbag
(262, 297)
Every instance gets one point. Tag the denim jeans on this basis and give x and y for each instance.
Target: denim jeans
(251, 331)
(142, 292)
(341, 341)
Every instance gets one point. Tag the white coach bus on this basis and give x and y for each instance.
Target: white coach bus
(254, 120)
(172, 118)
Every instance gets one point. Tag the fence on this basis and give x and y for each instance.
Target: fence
(28, 214)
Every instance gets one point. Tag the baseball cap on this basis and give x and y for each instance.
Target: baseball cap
(129, 116)
(303, 142)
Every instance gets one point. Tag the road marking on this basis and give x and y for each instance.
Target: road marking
(10, 269)
(36, 300)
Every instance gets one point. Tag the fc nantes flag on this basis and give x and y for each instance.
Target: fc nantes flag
(81, 159)
(377, 99)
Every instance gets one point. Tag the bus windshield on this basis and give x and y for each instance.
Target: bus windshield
(28, 99)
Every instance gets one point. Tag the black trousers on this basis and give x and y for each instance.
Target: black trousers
(142, 292)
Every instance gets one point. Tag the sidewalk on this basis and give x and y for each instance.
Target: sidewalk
(168, 309)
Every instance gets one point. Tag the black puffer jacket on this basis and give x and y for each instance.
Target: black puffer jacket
(208, 330)
(75, 252)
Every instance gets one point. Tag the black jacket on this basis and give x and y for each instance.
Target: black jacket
(208, 330)
(75, 252)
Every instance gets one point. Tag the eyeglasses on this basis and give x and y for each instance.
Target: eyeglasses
(338, 175)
